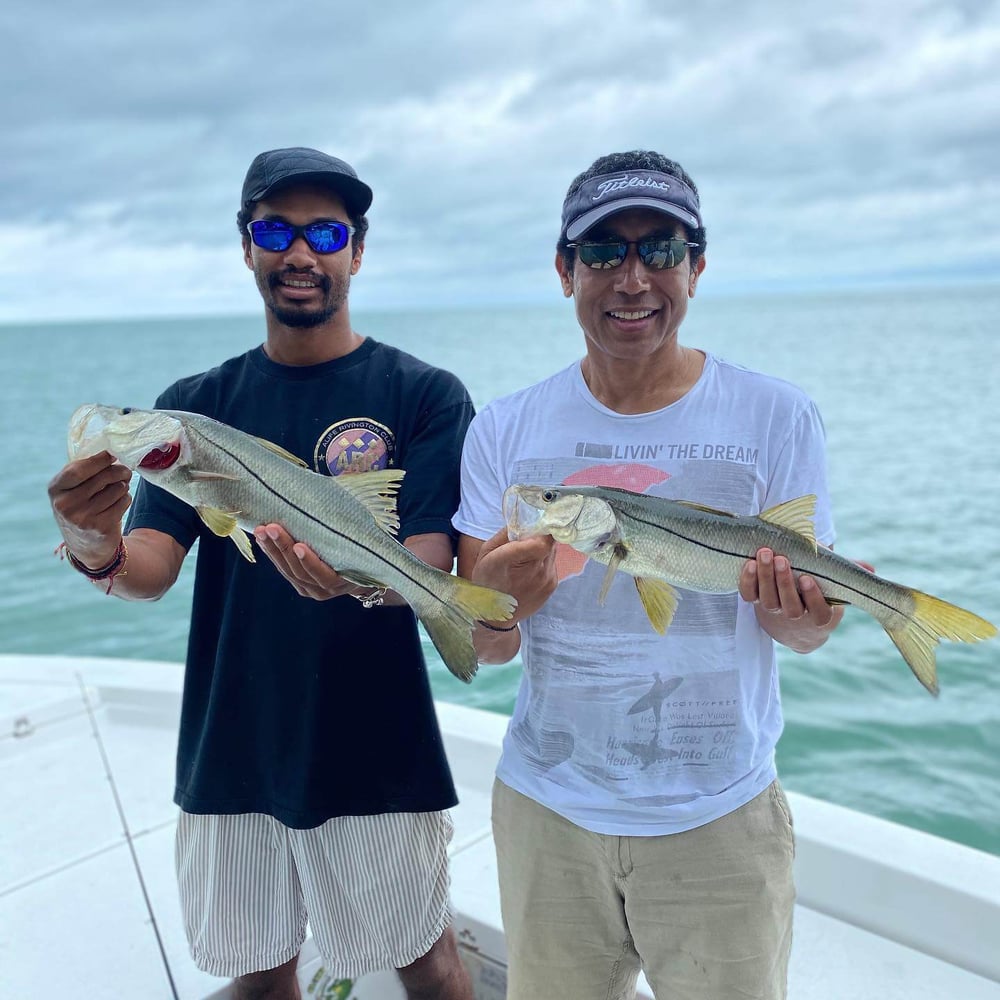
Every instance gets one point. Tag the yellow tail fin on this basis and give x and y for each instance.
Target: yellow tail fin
(450, 627)
(932, 620)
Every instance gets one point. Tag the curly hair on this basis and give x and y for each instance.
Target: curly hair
(636, 159)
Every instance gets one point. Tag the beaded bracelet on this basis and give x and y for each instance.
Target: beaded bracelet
(113, 569)
(496, 628)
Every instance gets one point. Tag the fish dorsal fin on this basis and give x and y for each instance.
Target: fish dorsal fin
(708, 510)
(659, 600)
(223, 523)
(376, 491)
(795, 515)
(281, 452)
(617, 556)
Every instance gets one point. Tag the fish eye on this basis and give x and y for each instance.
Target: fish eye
(548, 495)
(126, 409)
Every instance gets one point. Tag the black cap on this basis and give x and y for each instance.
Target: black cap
(601, 196)
(279, 167)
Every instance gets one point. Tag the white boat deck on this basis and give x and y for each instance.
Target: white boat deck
(88, 903)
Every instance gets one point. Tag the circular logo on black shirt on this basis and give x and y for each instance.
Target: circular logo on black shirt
(354, 445)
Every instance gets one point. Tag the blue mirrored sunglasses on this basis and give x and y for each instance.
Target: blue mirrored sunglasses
(322, 237)
(657, 253)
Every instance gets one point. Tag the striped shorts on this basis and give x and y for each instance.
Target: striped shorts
(374, 890)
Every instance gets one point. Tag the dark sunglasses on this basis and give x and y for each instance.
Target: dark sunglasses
(323, 237)
(656, 252)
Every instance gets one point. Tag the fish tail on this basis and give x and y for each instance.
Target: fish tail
(450, 628)
(931, 620)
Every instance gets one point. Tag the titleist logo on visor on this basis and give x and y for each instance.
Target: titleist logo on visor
(603, 195)
(627, 181)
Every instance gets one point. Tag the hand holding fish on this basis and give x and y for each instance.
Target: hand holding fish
(792, 611)
(311, 577)
(300, 566)
(525, 568)
(89, 498)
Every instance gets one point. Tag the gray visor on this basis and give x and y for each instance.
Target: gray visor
(606, 194)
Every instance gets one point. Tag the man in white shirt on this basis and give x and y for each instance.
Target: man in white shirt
(638, 818)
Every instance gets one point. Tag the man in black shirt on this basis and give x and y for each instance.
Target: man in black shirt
(311, 774)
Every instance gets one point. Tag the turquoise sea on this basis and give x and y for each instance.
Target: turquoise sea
(905, 380)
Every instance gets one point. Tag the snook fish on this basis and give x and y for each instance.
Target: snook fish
(662, 542)
(236, 482)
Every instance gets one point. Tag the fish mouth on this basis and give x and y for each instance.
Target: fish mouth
(526, 510)
(523, 518)
(88, 430)
(94, 428)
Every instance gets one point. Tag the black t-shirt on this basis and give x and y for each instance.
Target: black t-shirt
(300, 709)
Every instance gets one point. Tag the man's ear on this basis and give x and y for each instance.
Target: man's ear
(247, 253)
(695, 275)
(565, 275)
(356, 259)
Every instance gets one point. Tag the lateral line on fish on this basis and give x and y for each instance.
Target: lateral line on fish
(737, 555)
(311, 517)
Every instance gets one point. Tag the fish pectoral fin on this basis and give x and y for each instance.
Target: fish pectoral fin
(376, 491)
(659, 600)
(282, 452)
(794, 515)
(708, 510)
(219, 522)
(205, 477)
(223, 523)
(619, 554)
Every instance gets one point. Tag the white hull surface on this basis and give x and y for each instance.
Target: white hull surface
(88, 904)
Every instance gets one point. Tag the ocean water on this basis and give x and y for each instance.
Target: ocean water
(905, 382)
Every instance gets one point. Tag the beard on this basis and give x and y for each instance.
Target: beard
(334, 294)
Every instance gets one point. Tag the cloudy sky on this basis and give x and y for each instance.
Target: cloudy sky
(835, 144)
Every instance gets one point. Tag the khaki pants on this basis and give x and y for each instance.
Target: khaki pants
(706, 913)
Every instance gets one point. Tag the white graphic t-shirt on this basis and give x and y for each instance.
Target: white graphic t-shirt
(617, 728)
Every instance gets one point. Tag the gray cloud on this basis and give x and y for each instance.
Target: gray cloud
(831, 143)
